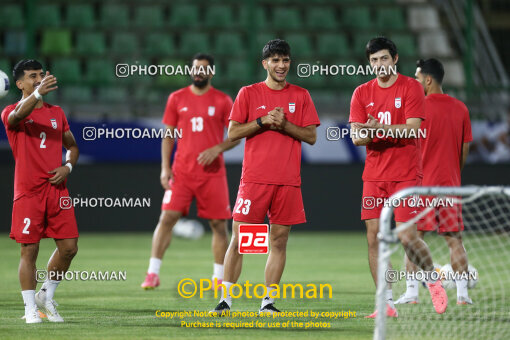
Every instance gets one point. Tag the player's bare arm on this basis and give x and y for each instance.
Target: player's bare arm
(463, 157)
(307, 134)
(167, 145)
(355, 135)
(412, 124)
(72, 155)
(208, 156)
(238, 130)
(27, 105)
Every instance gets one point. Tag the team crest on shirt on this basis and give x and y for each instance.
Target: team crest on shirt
(53, 123)
(398, 102)
(210, 111)
(292, 107)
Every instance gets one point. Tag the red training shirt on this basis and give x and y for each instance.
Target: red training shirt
(448, 128)
(390, 159)
(270, 156)
(202, 120)
(36, 144)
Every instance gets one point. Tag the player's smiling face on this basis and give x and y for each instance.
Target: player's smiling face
(277, 67)
(384, 63)
(30, 81)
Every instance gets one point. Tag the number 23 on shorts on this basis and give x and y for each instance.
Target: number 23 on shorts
(242, 206)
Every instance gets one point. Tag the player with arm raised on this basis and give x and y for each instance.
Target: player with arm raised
(201, 112)
(37, 131)
(275, 117)
(444, 153)
(392, 164)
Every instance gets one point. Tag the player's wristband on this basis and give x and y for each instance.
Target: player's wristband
(259, 122)
(70, 166)
(37, 95)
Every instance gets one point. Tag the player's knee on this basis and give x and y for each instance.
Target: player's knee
(279, 242)
(407, 240)
(70, 252)
(29, 252)
(218, 226)
(234, 244)
(454, 240)
(169, 218)
(372, 239)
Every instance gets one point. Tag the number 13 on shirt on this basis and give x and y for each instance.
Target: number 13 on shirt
(197, 124)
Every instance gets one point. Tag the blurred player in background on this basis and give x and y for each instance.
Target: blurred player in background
(444, 153)
(37, 131)
(201, 112)
(392, 164)
(275, 117)
(491, 141)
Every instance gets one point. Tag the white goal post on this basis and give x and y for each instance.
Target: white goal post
(486, 215)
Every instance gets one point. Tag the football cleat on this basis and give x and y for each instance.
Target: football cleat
(438, 296)
(464, 300)
(403, 299)
(390, 312)
(222, 309)
(48, 307)
(32, 316)
(151, 281)
(268, 310)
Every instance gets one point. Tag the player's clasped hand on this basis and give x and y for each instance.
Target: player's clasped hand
(208, 156)
(372, 123)
(276, 119)
(60, 175)
(48, 84)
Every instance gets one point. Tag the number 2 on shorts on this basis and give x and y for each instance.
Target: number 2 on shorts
(27, 224)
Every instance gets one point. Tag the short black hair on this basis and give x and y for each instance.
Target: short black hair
(204, 56)
(276, 47)
(380, 43)
(433, 68)
(25, 65)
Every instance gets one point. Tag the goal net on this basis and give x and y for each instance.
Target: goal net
(485, 213)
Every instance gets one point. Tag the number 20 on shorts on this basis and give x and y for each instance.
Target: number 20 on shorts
(253, 239)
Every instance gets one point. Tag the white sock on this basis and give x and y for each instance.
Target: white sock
(267, 299)
(389, 298)
(28, 299)
(412, 288)
(462, 288)
(154, 265)
(217, 271)
(225, 292)
(49, 286)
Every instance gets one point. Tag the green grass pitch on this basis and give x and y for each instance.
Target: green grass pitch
(122, 310)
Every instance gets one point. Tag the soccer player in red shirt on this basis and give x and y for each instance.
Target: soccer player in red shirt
(275, 117)
(392, 164)
(444, 153)
(37, 131)
(201, 112)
